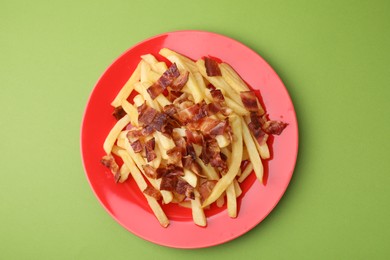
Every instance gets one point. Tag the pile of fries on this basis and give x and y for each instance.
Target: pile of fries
(241, 147)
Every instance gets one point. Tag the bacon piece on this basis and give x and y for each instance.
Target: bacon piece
(152, 192)
(168, 183)
(183, 187)
(194, 137)
(136, 145)
(164, 81)
(150, 171)
(174, 170)
(173, 95)
(257, 119)
(220, 128)
(109, 162)
(159, 121)
(149, 149)
(274, 127)
(249, 100)
(211, 153)
(217, 95)
(118, 112)
(205, 188)
(182, 98)
(192, 113)
(180, 81)
(146, 114)
(174, 155)
(212, 68)
(195, 168)
(258, 133)
(134, 133)
(212, 108)
(155, 90)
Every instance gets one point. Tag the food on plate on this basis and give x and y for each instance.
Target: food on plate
(188, 132)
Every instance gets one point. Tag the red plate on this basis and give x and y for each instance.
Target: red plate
(125, 202)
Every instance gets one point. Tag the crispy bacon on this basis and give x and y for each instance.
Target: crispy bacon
(182, 187)
(109, 162)
(168, 183)
(118, 113)
(149, 149)
(137, 146)
(159, 121)
(152, 192)
(174, 155)
(173, 95)
(180, 81)
(220, 128)
(134, 133)
(205, 188)
(194, 137)
(258, 133)
(191, 114)
(166, 79)
(212, 68)
(155, 90)
(257, 119)
(274, 127)
(150, 171)
(146, 114)
(211, 153)
(249, 100)
(217, 95)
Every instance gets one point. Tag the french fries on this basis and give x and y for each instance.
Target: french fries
(164, 168)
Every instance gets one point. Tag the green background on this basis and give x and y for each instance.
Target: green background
(333, 57)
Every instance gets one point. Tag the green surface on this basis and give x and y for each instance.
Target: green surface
(333, 57)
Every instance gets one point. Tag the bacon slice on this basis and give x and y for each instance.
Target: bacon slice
(146, 114)
(151, 172)
(118, 112)
(191, 114)
(164, 81)
(152, 192)
(109, 162)
(249, 100)
(205, 188)
(136, 145)
(180, 81)
(258, 133)
(182, 187)
(149, 149)
(211, 153)
(194, 137)
(274, 127)
(174, 155)
(212, 68)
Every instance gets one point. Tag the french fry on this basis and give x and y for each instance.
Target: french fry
(221, 200)
(137, 176)
(145, 69)
(124, 171)
(208, 170)
(115, 149)
(131, 111)
(126, 90)
(231, 200)
(245, 173)
(252, 151)
(165, 52)
(197, 211)
(227, 179)
(190, 177)
(232, 78)
(138, 100)
(237, 188)
(141, 88)
(113, 134)
(222, 141)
